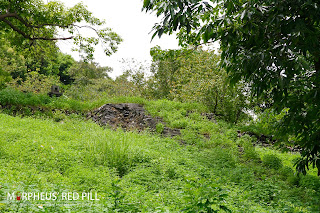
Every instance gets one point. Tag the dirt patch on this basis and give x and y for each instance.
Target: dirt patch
(128, 116)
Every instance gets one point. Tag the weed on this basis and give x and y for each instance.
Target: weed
(265, 192)
(203, 196)
(118, 199)
(159, 128)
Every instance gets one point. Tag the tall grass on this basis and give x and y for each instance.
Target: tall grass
(117, 150)
(11, 97)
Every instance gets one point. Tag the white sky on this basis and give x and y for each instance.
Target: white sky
(134, 26)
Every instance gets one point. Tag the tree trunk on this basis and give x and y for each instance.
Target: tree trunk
(237, 116)
(216, 104)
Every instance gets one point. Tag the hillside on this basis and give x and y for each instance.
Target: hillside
(207, 168)
(229, 121)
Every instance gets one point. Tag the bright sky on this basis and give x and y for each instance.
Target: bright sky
(134, 26)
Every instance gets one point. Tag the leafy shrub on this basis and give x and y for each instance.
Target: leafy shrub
(103, 88)
(265, 192)
(12, 64)
(181, 123)
(59, 116)
(11, 96)
(249, 152)
(220, 140)
(191, 137)
(231, 134)
(294, 179)
(194, 76)
(204, 196)
(17, 99)
(5, 77)
(267, 123)
(272, 161)
(286, 172)
(310, 182)
(35, 83)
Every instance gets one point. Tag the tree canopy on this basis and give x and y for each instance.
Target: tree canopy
(32, 21)
(193, 75)
(273, 45)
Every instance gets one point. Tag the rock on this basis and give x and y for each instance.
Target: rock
(170, 132)
(209, 116)
(55, 91)
(128, 116)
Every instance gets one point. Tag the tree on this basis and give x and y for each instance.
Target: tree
(65, 62)
(273, 45)
(12, 64)
(165, 65)
(26, 22)
(194, 75)
(84, 72)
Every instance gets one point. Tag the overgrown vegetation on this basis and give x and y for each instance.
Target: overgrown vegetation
(227, 157)
(271, 45)
(134, 172)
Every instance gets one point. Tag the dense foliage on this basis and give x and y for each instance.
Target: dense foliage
(193, 75)
(35, 22)
(273, 45)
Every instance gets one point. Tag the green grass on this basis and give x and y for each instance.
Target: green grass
(141, 172)
(18, 99)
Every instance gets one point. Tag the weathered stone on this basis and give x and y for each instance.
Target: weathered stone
(55, 91)
(128, 116)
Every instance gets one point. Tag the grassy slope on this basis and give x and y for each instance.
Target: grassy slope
(157, 174)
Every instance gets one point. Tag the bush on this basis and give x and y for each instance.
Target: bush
(5, 77)
(310, 182)
(249, 152)
(59, 116)
(11, 96)
(241, 175)
(35, 83)
(191, 137)
(286, 172)
(272, 161)
(180, 124)
(203, 196)
(103, 88)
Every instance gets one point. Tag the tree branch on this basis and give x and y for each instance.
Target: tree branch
(27, 24)
(4, 17)
(7, 15)
(33, 38)
(16, 29)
